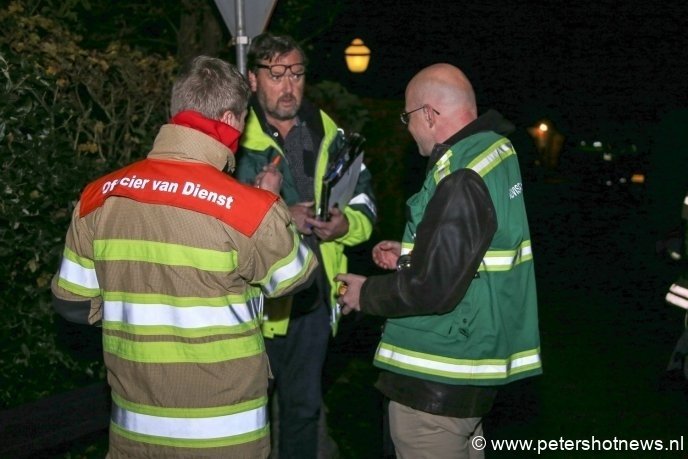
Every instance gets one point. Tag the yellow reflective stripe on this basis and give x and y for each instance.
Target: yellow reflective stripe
(77, 289)
(458, 368)
(69, 254)
(406, 247)
(183, 352)
(442, 168)
(164, 253)
(191, 427)
(187, 443)
(504, 260)
(289, 269)
(493, 155)
(151, 330)
(185, 412)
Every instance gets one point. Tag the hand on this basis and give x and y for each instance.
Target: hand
(349, 297)
(270, 178)
(337, 226)
(301, 213)
(386, 254)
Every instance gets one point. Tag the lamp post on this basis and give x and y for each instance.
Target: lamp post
(357, 56)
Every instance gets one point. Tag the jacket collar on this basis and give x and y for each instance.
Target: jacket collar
(491, 120)
(307, 113)
(183, 143)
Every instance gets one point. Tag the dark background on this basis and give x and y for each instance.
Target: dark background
(581, 63)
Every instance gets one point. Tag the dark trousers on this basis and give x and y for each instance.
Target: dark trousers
(297, 361)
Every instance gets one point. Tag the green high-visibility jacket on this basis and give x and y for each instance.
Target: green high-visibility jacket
(490, 336)
(258, 148)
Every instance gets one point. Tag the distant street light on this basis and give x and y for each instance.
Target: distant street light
(548, 143)
(357, 56)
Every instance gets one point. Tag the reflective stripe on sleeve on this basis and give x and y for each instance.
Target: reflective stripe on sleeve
(406, 248)
(364, 199)
(292, 270)
(79, 274)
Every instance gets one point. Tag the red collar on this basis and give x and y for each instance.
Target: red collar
(223, 133)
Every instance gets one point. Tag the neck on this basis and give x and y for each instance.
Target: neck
(283, 126)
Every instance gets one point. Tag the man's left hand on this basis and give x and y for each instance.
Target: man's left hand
(337, 226)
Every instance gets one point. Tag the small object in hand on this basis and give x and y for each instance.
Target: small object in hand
(276, 160)
(342, 289)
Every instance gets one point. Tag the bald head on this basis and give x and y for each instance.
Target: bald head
(448, 91)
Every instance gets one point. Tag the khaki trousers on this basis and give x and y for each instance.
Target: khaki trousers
(420, 435)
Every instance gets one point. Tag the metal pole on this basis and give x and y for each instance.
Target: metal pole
(241, 38)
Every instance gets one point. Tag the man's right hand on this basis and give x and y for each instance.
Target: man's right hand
(386, 254)
(270, 178)
(299, 213)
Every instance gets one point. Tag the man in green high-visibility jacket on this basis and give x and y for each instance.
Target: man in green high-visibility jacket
(462, 305)
(282, 123)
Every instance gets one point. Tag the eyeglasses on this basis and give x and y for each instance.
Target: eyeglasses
(278, 70)
(404, 116)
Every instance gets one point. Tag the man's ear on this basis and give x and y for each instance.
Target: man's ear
(228, 118)
(252, 80)
(429, 116)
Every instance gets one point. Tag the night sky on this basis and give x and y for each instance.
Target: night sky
(581, 63)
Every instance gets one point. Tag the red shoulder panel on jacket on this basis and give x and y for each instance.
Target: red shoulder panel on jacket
(192, 186)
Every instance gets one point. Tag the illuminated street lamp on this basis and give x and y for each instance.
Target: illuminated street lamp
(548, 143)
(357, 56)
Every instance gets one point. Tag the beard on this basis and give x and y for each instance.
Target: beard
(285, 108)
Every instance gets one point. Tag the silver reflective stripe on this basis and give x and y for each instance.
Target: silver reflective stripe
(445, 366)
(486, 162)
(365, 200)
(290, 270)
(678, 296)
(191, 428)
(504, 260)
(256, 306)
(184, 317)
(77, 274)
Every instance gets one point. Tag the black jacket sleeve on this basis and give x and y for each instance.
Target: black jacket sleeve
(451, 241)
(72, 311)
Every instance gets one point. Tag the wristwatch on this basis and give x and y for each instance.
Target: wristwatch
(403, 262)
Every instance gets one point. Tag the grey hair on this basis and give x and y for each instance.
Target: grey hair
(211, 87)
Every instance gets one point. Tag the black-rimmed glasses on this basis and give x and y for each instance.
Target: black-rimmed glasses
(404, 116)
(278, 70)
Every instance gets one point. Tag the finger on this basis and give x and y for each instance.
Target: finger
(317, 224)
(343, 287)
